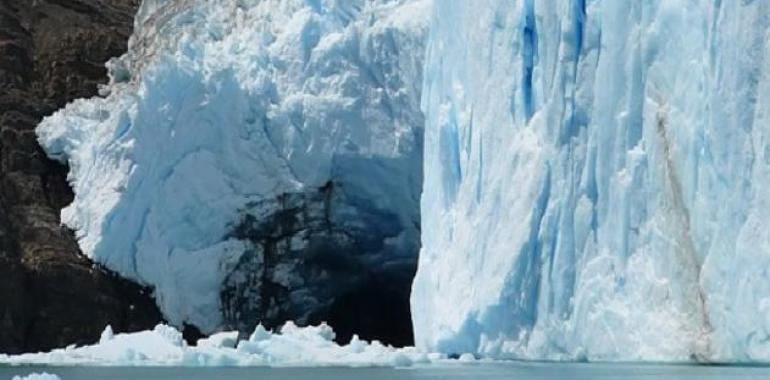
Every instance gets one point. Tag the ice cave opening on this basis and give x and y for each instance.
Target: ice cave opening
(376, 310)
(324, 256)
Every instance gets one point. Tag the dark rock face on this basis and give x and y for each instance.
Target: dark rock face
(51, 52)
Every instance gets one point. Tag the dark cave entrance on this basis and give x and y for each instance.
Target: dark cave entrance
(321, 256)
(377, 310)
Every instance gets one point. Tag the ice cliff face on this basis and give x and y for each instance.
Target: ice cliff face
(596, 178)
(253, 160)
(595, 170)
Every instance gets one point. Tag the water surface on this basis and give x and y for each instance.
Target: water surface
(511, 370)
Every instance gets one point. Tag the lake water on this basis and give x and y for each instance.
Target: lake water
(513, 370)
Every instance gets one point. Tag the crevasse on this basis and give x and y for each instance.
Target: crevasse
(596, 178)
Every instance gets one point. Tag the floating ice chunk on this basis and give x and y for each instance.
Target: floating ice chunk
(107, 335)
(38, 376)
(228, 339)
(292, 346)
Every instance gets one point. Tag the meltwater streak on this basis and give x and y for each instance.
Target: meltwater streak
(684, 247)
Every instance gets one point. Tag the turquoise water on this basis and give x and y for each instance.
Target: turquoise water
(533, 371)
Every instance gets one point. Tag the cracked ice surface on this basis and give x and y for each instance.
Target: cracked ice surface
(596, 180)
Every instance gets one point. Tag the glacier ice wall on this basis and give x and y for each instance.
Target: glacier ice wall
(225, 114)
(596, 180)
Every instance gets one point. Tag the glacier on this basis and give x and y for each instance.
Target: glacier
(586, 178)
(596, 180)
(253, 160)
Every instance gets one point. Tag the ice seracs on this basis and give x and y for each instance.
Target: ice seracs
(253, 160)
(596, 177)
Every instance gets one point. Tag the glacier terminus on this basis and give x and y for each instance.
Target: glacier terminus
(596, 177)
(570, 179)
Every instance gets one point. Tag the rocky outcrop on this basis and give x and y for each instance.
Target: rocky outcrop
(51, 52)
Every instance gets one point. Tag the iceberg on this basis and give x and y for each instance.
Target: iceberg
(253, 160)
(596, 177)
(292, 346)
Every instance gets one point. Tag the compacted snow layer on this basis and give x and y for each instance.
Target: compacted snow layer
(264, 152)
(597, 180)
(291, 347)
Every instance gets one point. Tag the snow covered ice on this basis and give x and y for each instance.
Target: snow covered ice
(596, 180)
(235, 131)
(292, 346)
